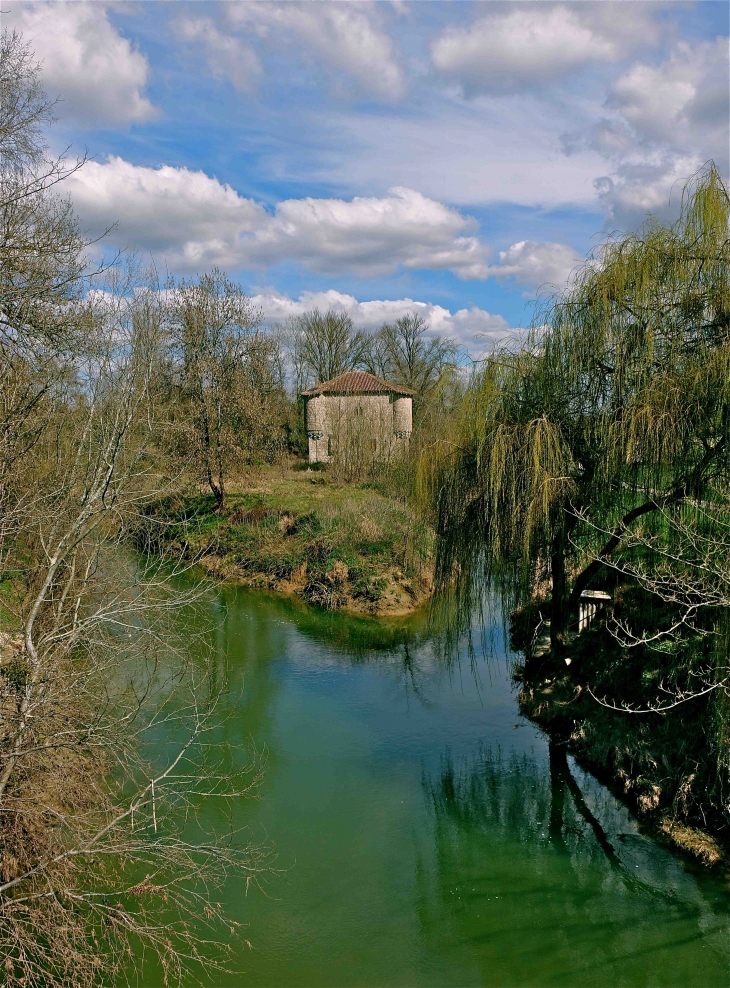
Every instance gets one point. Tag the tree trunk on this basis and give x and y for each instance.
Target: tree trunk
(216, 488)
(218, 492)
(220, 471)
(558, 771)
(559, 610)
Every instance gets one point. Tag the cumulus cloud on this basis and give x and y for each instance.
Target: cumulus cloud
(474, 328)
(663, 122)
(640, 187)
(99, 76)
(185, 214)
(683, 101)
(195, 221)
(373, 236)
(513, 51)
(537, 264)
(347, 41)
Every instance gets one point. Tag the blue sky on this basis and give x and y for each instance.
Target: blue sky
(376, 157)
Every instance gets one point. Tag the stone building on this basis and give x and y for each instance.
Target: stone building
(358, 417)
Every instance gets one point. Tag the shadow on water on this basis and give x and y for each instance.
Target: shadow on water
(441, 842)
(535, 855)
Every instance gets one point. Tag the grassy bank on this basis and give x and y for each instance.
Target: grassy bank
(297, 531)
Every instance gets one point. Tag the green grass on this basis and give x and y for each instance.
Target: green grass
(339, 541)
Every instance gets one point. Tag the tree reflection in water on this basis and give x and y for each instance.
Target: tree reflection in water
(534, 858)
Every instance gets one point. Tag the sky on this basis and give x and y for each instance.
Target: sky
(458, 159)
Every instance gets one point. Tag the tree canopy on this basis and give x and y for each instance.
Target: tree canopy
(616, 409)
(324, 345)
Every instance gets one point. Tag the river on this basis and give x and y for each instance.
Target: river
(424, 835)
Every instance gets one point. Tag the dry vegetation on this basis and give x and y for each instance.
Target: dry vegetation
(297, 531)
(96, 870)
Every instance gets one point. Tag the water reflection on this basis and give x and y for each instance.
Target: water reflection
(418, 645)
(534, 854)
(422, 839)
(358, 637)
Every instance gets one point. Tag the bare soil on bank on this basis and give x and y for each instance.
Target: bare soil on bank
(349, 547)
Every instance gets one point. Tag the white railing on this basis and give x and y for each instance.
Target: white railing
(591, 602)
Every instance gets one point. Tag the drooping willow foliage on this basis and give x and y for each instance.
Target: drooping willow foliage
(615, 412)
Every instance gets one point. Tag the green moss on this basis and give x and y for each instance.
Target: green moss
(369, 588)
(16, 673)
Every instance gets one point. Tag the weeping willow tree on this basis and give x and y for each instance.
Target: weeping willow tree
(615, 411)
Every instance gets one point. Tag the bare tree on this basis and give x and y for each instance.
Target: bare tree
(26, 108)
(225, 373)
(402, 352)
(325, 345)
(93, 859)
(86, 671)
(42, 260)
(681, 558)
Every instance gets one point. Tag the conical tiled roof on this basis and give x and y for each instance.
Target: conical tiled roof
(357, 382)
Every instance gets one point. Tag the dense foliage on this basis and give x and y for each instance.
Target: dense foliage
(616, 409)
(596, 457)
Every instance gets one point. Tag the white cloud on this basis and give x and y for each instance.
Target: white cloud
(509, 52)
(187, 215)
(195, 221)
(640, 187)
(228, 57)
(474, 328)
(99, 76)
(664, 121)
(373, 236)
(683, 101)
(345, 40)
(537, 263)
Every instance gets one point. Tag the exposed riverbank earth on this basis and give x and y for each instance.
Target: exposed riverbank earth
(338, 546)
(426, 833)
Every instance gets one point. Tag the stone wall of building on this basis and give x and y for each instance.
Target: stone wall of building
(403, 417)
(317, 420)
(365, 427)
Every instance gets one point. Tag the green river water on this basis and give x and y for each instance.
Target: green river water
(424, 835)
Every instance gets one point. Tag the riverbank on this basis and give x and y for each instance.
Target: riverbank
(628, 764)
(338, 546)
(669, 766)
